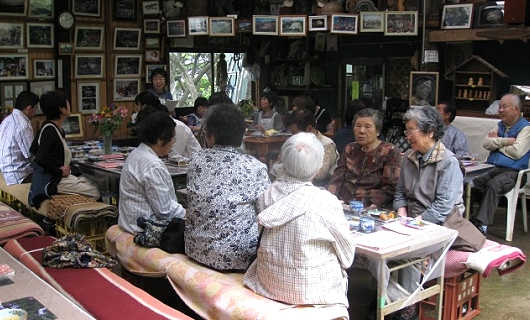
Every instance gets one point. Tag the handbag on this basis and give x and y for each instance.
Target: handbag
(172, 240)
(469, 238)
(167, 235)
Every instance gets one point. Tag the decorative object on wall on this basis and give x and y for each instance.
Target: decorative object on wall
(41, 87)
(126, 89)
(13, 8)
(152, 56)
(9, 92)
(265, 25)
(13, 35)
(423, 88)
(344, 23)
(89, 38)
(198, 26)
(66, 48)
(73, 126)
(318, 23)
(244, 25)
(150, 8)
(40, 9)
(149, 69)
(89, 65)
(372, 22)
(222, 26)
(40, 35)
(489, 14)
(88, 8)
(293, 26)
(361, 6)
(88, 97)
(176, 28)
(457, 16)
(401, 23)
(43, 69)
(151, 26)
(126, 10)
(127, 38)
(13, 66)
(152, 43)
(127, 65)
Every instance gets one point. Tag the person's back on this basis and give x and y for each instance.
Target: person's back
(453, 139)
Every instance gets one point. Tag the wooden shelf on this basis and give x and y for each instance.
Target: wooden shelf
(473, 86)
(492, 34)
(471, 99)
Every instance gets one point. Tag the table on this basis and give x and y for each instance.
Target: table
(261, 146)
(27, 284)
(473, 172)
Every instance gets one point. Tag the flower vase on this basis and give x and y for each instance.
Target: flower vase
(107, 143)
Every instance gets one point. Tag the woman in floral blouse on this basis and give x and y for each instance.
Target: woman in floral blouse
(223, 188)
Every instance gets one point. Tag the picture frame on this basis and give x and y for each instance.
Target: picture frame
(13, 8)
(151, 26)
(127, 38)
(89, 38)
(88, 97)
(41, 87)
(127, 65)
(40, 35)
(150, 8)
(198, 26)
(9, 92)
(457, 16)
(13, 66)
(126, 89)
(293, 26)
(318, 23)
(44, 69)
(66, 48)
(73, 126)
(89, 65)
(87, 8)
(41, 9)
(344, 23)
(265, 25)
(401, 23)
(149, 69)
(152, 56)
(152, 43)
(222, 26)
(126, 10)
(176, 28)
(16, 32)
(489, 14)
(244, 26)
(423, 88)
(372, 21)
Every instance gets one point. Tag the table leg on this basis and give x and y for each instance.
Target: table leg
(468, 201)
(381, 293)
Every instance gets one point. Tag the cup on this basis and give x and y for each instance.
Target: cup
(356, 207)
(367, 224)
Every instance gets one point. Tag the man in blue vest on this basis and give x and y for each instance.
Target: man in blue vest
(509, 146)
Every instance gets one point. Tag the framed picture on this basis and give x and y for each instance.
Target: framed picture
(13, 7)
(150, 8)
(40, 87)
(176, 28)
(88, 97)
(127, 38)
(88, 8)
(9, 92)
(89, 38)
(401, 23)
(197, 26)
(126, 89)
(151, 26)
(222, 27)
(244, 26)
(128, 65)
(318, 23)
(40, 35)
(344, 23)
(43, 69)
(152, 55)
(265, 25)
(12, 35)
(126, 10)
(13, 66)
(457, 16)
(293, 26)
(73, 126)
(152, 43)
(489, 14)
(89, 65)
(40, 8)
(149, 69)
(66, 48)
(423, 88)
(372, 21)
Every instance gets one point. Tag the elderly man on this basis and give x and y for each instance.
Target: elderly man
(16, 135)
(509, 146)
(453, 139)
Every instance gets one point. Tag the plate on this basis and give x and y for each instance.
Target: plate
(318, 76)
(13, 314)
(414, 223)
(376, 214)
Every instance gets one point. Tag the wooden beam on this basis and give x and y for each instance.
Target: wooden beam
(456, 35)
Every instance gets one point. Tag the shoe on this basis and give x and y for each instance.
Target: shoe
(482, 228)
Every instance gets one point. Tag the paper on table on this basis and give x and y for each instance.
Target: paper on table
(381, 239)
(110, 164)
(399, 227)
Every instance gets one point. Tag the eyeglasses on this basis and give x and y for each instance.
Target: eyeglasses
(409, 133)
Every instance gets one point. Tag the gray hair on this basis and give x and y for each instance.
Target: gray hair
(370, 113)
(428, 120)
(514, 99)
(302, 156)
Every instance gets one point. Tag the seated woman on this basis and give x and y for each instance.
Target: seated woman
(267, 118)
(51, 151)
(194, 120)
(146, 188)
(159, 79)
(368, 169)
(223, 188)
(305, 246)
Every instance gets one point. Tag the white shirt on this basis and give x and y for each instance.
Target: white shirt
(185, 143)
(16, 135)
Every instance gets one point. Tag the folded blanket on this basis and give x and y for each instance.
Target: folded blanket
(14, 225)
(72, 209)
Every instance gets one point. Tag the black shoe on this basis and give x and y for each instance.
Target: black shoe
(482, 228)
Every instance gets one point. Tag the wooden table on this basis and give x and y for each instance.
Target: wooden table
(261, 146)
(473, 172)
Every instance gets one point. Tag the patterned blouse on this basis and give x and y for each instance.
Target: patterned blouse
(223, 188)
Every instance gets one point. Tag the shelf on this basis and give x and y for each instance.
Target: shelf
(474, 72)
(473, 86)
(471, 99)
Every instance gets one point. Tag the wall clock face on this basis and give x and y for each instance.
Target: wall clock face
(66, 20)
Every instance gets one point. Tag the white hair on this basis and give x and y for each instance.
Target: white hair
(302, 156)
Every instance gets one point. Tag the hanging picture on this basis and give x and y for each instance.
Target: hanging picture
(423, 88)
(13, 66)
(73, 126)
(88, 97)
(40, 35)
(151, 26)
(128, 65)
(293, 26)
(13, 8)
(401, 23)
(176, 28)
(222, 26)
(126, 89)
(126, 10)
(372, 21)
(127, 38)
(9, 92)
(88, 8)
(318, 23)
(344, 23)
(150, 8)
(265, 25)
(66, 48)
(43, 69)
(13, 35)
(89, 65)
(89, 38)
(457, 16)
(197, 26)
(40, 8)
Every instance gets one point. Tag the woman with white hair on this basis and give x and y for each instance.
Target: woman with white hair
(305, 244)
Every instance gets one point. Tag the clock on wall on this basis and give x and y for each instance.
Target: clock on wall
(66, 20)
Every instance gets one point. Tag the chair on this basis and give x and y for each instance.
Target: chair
(519, 191)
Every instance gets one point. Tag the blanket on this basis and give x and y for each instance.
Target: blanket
(14, 225)
(72, 209)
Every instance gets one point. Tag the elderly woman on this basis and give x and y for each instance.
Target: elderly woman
(368, 169)
(146, 188)
(223, 188)
(159, 79)
(267, 118)
(305, 245)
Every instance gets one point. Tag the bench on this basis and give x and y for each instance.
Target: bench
(14, 225)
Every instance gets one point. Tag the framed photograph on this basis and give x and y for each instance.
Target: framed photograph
(150, 8)
(128, 65)
(222, 27)
(489, 14)
(43, 69)
(457, 16)
(176, 28)
(9, 92)
(89, 38)
(88, 97)
(40, 9)
(13, 66)
(126, 89)
(265, 25)
(152, 55)
(73, 126)
(401, 23)
(12, 35)
(89, 65)
(198, 26)
(344, 23)
(152, 43)
(423, 88)
(293, 26)
(149, 69)
(127, 38)
(66, 48)
(372, 21)
(88, 8)
(126, 10)
(40, 87)
(151, 26)
(244, 26)
(318, 23)
(13, 7)
(40, 35)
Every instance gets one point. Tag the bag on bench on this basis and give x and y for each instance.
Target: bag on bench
(167, 235)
